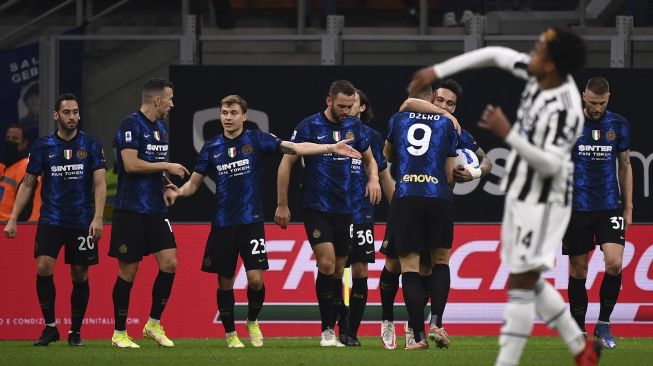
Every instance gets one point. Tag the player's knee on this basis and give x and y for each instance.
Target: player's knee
(392, 265)
(578, 268)
(79, 274)
(44, 268)
(613, 267)
(326, 266)
(255, 284)
(169, 265)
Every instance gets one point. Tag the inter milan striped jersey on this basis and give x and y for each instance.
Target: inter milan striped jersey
(363, 208)
(422, 143)
(141, 193)
(596, 186)
(548, 121)
(326, 181)
(235, 165)
(466, 141)
(67, 169)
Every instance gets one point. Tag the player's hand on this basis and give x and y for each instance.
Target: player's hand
(10, 228)
(462, 175)
(454, 120)
(495, 120)
(423, 77)
(282, 216)
(373, 191)
(341, 148)
(628, 217)
(170, 194)
(178, 170)
(95, 230)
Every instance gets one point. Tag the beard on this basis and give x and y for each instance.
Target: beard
(64, 126)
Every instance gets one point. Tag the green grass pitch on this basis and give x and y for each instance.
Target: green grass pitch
(306, 351)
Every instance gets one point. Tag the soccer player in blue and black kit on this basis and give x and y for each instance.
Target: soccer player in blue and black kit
(233, 159)
(362, 250)
(444, 101)
(73, 170)
(140, 220)
(601, 212)
(423, 147)
(327, 195)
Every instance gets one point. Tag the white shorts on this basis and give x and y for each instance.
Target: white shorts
(531, 234)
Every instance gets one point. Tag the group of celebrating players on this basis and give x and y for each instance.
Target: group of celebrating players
(346, 165)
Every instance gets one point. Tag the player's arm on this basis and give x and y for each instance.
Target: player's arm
(545, 161)
(387, 183)
(389, 152)
(22, 197)
(282, 214)
(188, 189)
(309, 148)
(373, 188)
(100, 192)
(449, 167)
(134, 165)
(422, 106)
(626, 184)
(501, 57)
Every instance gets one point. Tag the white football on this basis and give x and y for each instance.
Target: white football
(466, 157)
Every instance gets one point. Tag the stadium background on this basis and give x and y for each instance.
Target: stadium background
(279, 97)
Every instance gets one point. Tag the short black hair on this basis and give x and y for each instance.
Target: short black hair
(452, 85)
(567, 50)
(368, 114)
(33, 90)
(341, 86)
(598, 85)
(21, 128)
(157, 85)
(61, 98)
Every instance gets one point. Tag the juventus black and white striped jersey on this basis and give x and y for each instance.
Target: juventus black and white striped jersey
(539, 167)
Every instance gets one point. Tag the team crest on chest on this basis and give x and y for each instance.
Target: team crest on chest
(610, 135)
(68, 153)
(337, 136)
(231, 152)
(596, 135)
(157, 135)
(349, 135)
(82, 154)
(247, 149)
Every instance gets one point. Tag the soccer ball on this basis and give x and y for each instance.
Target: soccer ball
(466, 157)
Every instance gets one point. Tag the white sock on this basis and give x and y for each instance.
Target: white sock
(153, 321)
(517, 326)
(554, 312)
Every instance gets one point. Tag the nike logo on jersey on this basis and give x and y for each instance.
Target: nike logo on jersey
(51, 155)
(146, 135)
(369, 251)
(321, 137)
(91, 258)
(217, 155)
(262, 260)
(622, 237)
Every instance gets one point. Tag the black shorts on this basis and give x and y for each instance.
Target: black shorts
(362, 250)
(389, 250)
(135, 235)
(225, 243)
(591, 228)
(421, 224)
(324, 227)
(79, 248)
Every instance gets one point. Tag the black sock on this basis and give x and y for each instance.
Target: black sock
(578, 300)
(609, 294)
(339, 308)
(121, 292)
(46, 294)
(357, 302)
(78, 302)
(161, 293)
(440, 284)
(388, 286)
(414, 302)
(255, 300)
(323, 290)
(226, 304)
(425, 282)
